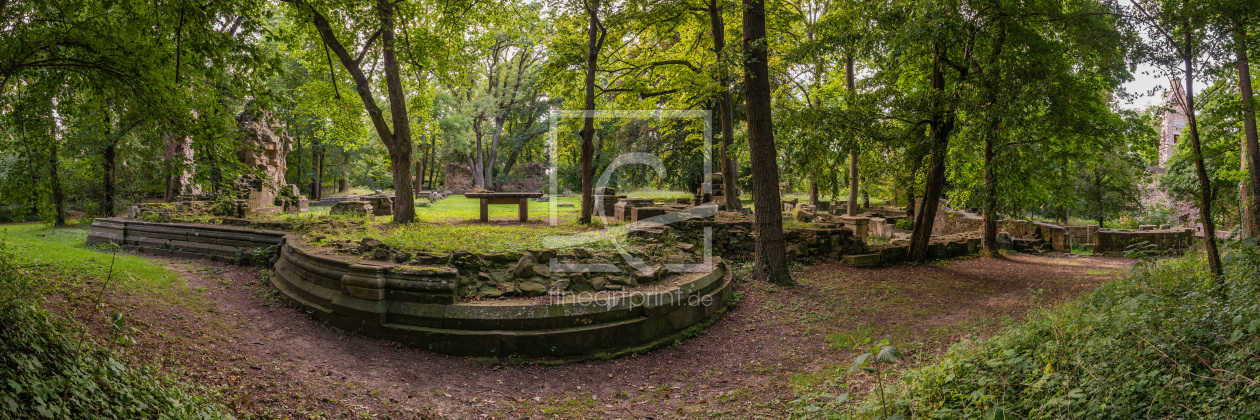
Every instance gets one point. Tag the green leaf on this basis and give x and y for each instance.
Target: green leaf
(888, 354)
(859, 362)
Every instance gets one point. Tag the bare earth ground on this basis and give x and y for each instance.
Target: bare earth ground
(230, 332)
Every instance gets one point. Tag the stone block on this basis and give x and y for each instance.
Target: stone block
(864, 260)
(352, 208)
(860, 225)
(641, 213)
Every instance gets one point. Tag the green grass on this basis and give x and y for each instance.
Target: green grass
(61, 252)
(51, 366)
(656, 194)
(452, 224)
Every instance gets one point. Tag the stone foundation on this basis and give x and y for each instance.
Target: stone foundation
(419, 305)
(1117, 241)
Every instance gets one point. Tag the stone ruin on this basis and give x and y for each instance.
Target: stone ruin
(263, 148)
(527, 178)
(179, 150)
(606, 199)
(459, 178)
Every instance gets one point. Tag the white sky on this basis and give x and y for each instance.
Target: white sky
(1145, 79)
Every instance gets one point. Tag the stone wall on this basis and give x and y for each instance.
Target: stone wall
(527, 178)
(459, 178)
(419, 305)
(1116, 241)
(734, 238)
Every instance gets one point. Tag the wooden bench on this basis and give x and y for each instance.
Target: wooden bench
(520, 199)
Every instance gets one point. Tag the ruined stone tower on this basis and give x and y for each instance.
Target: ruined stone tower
(1174, 123)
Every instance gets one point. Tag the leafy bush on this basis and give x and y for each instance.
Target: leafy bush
(51, 368)
(1156, 214)
(904, 224)
(1165, 341)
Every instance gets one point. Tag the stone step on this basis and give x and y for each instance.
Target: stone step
(861, 260)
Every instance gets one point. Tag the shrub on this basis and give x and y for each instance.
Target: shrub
(1165, 341)
(51, 368)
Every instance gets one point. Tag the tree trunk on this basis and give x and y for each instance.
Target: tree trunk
(397, 142)
(771, 254)
(420, 173)
(594, 41)
(730, 171)
(317, 173)
(853, 151)
(344, 186)
(988, 234)
(1251, 146)
(942, 125)
(477, 158)
(1205, 184)
(1098, 190)
(433, 161)
(54, 180)
(813, 190)
(109, 156)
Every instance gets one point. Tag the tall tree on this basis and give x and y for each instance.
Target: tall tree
(1175, 19)
(1237, 18)
(771, 255)
(398, 140)
(594, 41)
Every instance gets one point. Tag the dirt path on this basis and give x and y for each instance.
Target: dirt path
(777, 343)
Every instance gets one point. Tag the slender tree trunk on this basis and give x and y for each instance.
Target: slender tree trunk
(1250, 210)
(477, 159)
(54, 181)
(110, 157)
(1205, 184)
(397, 142)
(400, 144)
(853, 151)
(942, 125)
(107, 162)
(988, 234)
(344, 186)
(813, 190)
(420, 173)
(771, 256)
(730, 171)
(433, 161)
(1098, 190)
(316, 173)
(594, 41)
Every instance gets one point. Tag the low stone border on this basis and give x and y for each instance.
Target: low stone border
(417, 305)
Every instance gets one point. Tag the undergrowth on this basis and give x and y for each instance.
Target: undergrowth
(1165, 341)
(51, 367)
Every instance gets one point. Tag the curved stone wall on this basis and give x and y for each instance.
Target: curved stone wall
(418, 306)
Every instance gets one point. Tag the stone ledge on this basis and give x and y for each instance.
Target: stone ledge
(418, 305)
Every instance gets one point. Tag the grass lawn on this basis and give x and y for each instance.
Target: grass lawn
(453, 224)
(60, 252)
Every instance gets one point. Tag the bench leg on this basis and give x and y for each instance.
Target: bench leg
(485, 210)
(524, 210)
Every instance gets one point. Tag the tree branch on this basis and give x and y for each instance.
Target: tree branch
(359, 59)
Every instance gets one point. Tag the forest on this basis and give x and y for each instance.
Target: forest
(848, 162)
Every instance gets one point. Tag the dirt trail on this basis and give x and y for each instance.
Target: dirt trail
(270, 360)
